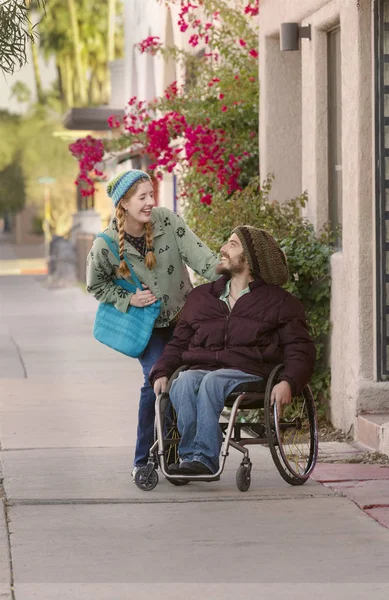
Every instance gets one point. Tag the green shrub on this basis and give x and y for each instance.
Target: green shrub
(308, 256)
(37, 225)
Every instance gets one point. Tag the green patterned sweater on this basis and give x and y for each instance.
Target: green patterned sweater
(175, 246)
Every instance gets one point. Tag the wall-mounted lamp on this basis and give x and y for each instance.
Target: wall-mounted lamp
(290, 35)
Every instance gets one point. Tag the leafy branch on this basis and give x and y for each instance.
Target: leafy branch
(17, 31)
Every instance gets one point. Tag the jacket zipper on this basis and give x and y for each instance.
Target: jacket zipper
(225, 333)
(227, 319)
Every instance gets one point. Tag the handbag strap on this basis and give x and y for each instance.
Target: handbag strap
(114, 249)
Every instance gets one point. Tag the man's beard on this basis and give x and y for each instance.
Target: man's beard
(234, 267)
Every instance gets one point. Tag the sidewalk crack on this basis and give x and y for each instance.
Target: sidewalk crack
(4, 509)
(20, 356)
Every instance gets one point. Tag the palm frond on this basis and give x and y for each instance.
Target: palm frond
(16, 32)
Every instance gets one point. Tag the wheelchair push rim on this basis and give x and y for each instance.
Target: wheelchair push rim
(292, 435)
(171, 440)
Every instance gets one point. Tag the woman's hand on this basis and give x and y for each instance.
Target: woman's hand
(143, 298)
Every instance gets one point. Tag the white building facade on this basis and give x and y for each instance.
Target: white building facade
(146, 76)
(324, 128)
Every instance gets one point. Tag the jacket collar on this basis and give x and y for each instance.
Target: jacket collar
(217, 287)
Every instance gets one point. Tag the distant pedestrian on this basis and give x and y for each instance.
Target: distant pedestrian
(158, 245)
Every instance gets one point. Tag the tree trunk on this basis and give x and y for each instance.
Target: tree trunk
(7, 223)
(61, 84)
(35, 62)
(82, 88)
(111, 29)
(106, 91)
(68, 82)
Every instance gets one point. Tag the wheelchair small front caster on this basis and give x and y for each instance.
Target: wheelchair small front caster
(145, 480)
(243, 478)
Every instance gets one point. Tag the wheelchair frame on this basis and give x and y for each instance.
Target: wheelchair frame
(271, 432)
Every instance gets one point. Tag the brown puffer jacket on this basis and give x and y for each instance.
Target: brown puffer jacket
(266, 327)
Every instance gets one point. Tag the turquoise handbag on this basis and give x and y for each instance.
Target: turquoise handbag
(129, 332)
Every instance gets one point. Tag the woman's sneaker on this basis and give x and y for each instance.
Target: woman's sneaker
(133, 473)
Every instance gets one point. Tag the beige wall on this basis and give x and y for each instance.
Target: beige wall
(293, 119)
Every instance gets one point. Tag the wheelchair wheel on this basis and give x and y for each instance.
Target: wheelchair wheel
(292, 436)
(243, 478)
(145, 482)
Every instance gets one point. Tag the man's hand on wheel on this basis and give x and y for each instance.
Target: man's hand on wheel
(160, 385)
(281, 394)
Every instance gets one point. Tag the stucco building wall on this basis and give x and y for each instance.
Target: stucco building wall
(294, 146)
(147, 76)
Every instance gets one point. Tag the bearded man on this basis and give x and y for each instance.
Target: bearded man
(232, 331)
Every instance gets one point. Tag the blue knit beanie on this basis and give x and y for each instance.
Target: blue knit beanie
(119, 185)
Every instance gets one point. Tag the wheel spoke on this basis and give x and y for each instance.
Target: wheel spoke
(292, 435)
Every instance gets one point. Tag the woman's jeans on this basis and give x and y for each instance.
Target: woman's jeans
(198, 397)
(146, 415)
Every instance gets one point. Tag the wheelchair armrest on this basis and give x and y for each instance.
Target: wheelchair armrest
(174, 376)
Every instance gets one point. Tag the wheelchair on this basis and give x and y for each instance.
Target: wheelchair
(292, 437)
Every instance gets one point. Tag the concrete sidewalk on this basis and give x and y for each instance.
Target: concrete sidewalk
(79, 529)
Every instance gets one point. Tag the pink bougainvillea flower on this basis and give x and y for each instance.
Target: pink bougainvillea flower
(89, 151)
(194, 40)
(113, 122)
(175, 141)
(206, 199)
(171, 90)
(150, 44)
(252, 9)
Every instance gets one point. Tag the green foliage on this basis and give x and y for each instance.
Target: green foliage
(37, 225)
(9, 124)
(12, 188)
(219, 92)
(308, 254)
(82, 57)
(32, 147)
(21, 92)
(17, 31)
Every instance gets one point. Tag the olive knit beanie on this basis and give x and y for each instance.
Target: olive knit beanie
(119, 185)
(263, 254)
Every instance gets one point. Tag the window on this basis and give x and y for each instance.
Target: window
(335, 131)
(193, 69)
(381, 53)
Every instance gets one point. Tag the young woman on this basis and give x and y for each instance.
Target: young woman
(158, 244)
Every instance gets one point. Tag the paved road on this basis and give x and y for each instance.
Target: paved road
(21, 259)
(74, 526)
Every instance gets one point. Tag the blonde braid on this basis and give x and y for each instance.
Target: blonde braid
(150, 259)
(123, 269)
